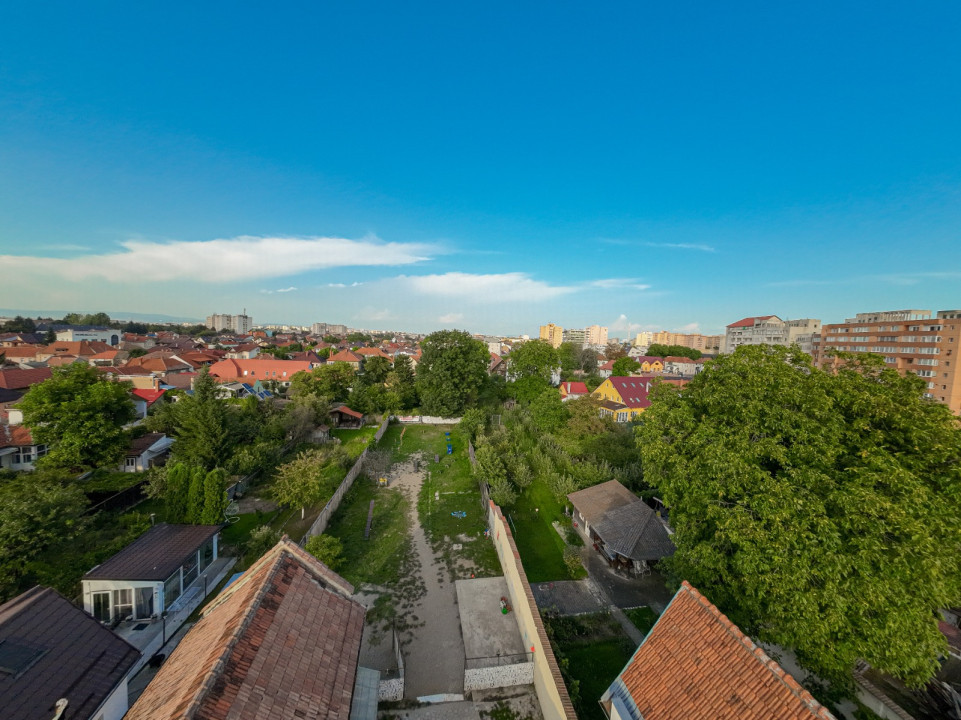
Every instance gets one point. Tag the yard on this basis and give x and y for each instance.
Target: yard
(539, 544)
(592, 650)
(354, 441)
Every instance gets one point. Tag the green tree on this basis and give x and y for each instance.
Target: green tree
(215, 497)
(536, 358)
(473, 421)
(376, 370)
(451, 371)
(614, 351)
(819, 510)
(81, 416)
(37, 510)
(589, 361)
(624, 366)
(326, 548)
(195, 495)
(402, 382)
(176, 492)
(492, 468)
(332, 381)
(202, 427)
(547, 410)
(302, 481)
(569, 357)
(136, 352)
(657, 350)
(19, 324)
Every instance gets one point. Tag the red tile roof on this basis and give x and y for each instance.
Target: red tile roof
(574, 388)
(151, 396)
(282, 641)
(257, 369)
(678, 359)
(15, 436)
(347, 411)
(17, 379)
(345, 356)
(633, 390)
(695, 663)
(749, 321)
(609, 365)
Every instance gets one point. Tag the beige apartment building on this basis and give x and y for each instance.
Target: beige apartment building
(909, 340)
(771, 330)
(554, 334)
(595, 335)
(710, 344)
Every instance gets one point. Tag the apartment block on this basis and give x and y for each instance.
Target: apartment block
(554, 334)
(575, 336)
(595, 335)
(240, 324)
(644, 339)
(910, 341)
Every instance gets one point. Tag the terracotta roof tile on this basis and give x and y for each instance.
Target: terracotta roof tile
(17, 379)
(283, 641)
(750, 321)
(695, 663)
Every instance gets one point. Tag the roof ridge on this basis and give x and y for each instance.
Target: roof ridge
(758, 653)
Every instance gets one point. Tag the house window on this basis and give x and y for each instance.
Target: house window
(101, 606)
(171, 589)
(123, 603)
(207, 554)
(144, 602)
(131, 462)
(191, 570)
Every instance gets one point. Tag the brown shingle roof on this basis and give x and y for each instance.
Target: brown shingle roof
(155, 554)
(695, 663)
(596, 501)
(634, 531)
(17, 379)
(282, 641)
(73, 657)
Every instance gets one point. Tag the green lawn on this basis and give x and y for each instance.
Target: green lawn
(354, 441)
(642, 617)
(592, 650)
(106, 481)
(539, 544)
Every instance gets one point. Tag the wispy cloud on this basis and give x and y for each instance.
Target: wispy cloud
(281, 290)
(241, 258)
(493, 288)
(700, 247)
(889, 278)
(618, 284)
(451, 318)
(375, 314)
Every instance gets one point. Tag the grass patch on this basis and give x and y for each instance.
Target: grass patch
(354, 441)
(541, 547)
(103, 481)
(592, 650)
(642, 617)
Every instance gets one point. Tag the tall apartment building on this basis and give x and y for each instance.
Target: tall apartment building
(644, 339)
(909, 340)
(318, 329)
(595, 335)
(770, 330)
(554, 334)
(577, 337)
(710, 344)
(240, 324)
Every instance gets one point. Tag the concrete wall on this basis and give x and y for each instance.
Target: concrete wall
(498, 677)
(551, 692)
(115, 706)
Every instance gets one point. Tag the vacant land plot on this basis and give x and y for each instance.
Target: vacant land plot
(596, 650)
(354, 441)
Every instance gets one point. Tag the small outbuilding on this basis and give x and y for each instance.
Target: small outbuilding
(343, 417)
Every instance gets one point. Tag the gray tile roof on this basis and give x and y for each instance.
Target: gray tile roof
(635, 531)
(595, 501)
(155, 554)
(55, 650)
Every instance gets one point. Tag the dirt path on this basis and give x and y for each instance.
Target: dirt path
(434, 649)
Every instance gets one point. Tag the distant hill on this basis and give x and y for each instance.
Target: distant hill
(114, 315)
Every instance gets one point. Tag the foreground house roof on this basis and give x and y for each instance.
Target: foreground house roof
(156, 554)
(696, 664)
(51, 649)
(635, 531)
(598, 500)
(282, 641)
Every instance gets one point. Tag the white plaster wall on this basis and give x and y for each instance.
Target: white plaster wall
(500, 676)
(115, 706)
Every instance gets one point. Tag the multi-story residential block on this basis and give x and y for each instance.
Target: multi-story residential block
(240, 324)
(760, 330)
(802, 332)
(576, 337)
(595, 335)
(710, 344)
(909, 341)
(318, 329)
(554, 334)
(644, 339)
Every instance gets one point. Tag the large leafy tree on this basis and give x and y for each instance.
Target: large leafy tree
(402, 382)
(81, 416)
(536, 358)
(624, 366)
(451, 371)
(658, 350)
(309, 477)
(37, 510)
(332, 381)
(820, 510)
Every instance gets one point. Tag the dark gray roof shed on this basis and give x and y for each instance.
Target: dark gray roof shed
(156, 554)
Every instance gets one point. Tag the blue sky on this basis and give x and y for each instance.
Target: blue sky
(486, 166)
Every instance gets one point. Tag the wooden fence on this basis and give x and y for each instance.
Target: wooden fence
(320, 524)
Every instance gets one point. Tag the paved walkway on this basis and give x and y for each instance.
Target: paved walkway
(434, 651)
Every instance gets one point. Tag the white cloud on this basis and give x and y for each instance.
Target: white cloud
(241, 258)
(618, 284)
(374, 314)
(682, 246)
(503, 287)
(691, 328)
(281, 290)
(451, 318)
